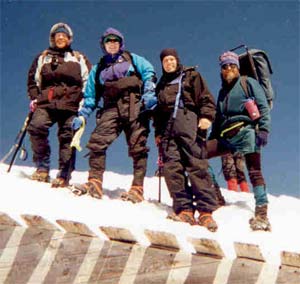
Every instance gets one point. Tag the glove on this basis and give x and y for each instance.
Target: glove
(149, 99)
(77, 122)
(262, 138)
(85, 112)
(33, 105)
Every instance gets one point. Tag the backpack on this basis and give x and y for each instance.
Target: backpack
(101, 65)
(256, 64)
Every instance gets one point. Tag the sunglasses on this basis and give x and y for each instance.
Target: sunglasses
(111, 40)
(227, 66)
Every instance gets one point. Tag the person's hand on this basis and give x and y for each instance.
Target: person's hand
(262, 138)
(33, 105)
(158, 140)
(77, 122)
(204, 123)
(149, 100)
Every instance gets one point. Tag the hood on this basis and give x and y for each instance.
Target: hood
(112, 31)
(55, 28)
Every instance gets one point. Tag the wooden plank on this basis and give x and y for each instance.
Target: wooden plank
(39, 222)
(68, 259)
(180, 268)
(268, 274)
(76, 228)
(223, 271)
(245, 271)
(288, 275)
(251, 251)
(6, 220)
(162, 239)
(118, 234)
(290, 258)
(207, 246)
(155, 266)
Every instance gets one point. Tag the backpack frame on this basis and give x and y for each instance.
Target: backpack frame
(256, 64)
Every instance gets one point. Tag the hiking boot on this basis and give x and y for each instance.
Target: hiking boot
(41, 175)
(135, 194)
(206, 220)
(93, 187)
(59, 182)
(260, 222)
(186, 216)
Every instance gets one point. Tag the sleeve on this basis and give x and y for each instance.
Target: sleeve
(205, 101)
(33, 87)
(264, 122)
(85, 69)
(90, 90)
(144, 67)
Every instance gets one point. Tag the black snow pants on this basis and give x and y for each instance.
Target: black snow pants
(38, 130)
(181, 157)
(109, 126)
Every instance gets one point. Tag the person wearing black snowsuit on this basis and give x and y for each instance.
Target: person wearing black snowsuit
(185, 105)
(56, 82)
(123, 85)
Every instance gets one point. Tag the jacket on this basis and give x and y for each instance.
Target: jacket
(57, 79)
(231, 109)
(195, 96)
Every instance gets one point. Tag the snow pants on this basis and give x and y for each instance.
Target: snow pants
(233, 166)
(109, 126)
(243, 142)
(38, 129)
(181, 156)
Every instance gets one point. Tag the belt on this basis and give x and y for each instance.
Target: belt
(232, 130)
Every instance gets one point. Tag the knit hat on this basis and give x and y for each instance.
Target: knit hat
(229, 57)
(169, 52)
(60, 28)
(112, 32)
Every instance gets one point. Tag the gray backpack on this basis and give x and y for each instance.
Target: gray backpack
(256, 64)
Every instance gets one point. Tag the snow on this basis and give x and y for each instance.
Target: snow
(20, 195)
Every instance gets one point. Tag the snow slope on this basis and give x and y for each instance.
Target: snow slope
(19, 195)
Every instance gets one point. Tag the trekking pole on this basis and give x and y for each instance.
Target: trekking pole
(160, 166)
(19, 140)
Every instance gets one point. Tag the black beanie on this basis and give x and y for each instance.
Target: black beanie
(167, 52)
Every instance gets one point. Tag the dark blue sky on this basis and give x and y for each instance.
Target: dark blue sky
(199, 30)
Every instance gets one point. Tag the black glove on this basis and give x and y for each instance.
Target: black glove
(262, 138)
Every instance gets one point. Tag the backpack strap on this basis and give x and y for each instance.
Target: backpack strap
(128, 57)
(245, 85)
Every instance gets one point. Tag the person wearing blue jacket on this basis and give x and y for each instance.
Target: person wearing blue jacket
(122, 86)
(236, 130)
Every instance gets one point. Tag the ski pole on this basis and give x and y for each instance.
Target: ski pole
(19, 139)
(160, 165)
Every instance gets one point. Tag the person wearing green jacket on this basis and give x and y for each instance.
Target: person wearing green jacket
(236, 130)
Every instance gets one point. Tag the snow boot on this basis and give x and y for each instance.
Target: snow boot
(206, 220)
(93, 187)
(232, 184)
(41, 175)
(135, 194)
(59, 182)
(186, 216)
(244, 186)
(260, 222)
